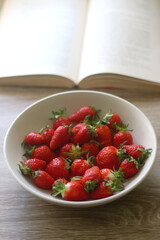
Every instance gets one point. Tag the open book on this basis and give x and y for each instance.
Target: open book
(85, 43)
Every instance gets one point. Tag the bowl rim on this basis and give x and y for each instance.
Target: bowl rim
(87, 203)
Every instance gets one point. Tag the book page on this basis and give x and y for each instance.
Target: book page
(122, 37)
(41, 37)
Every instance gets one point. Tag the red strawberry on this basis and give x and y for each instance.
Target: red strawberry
(59, 120)
(60, 179)
(108, 158)
(123, 135)
(68, 147)
(129, 167)
(91, 178)
(72, 191)
(107, 173)
(114, 179)
(101, 191)
(82, 136)
(77, 127)
(61, 136)
(31, 165)
(43, 152)
(82, 113)
(104, 135)
(71, 151)
(58, 168)
(133, 150)
(111, 119)
(137, 151)
(47, 134)
(43, 180)
(78, 167)
(33, 138)
(91, 148)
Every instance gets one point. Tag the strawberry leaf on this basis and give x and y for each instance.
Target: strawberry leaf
(107, 117)
(144, 155)
(59, 114)
(58, 188)
(30, 150)
(91, 185)
(76, 178)
(74, 152)
(122, 127)
(116, 184)
(42, 129)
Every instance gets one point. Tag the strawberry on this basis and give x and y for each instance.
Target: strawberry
(111, 119)
(91, 178)
(102, 191)
(90, 149)
(60, 179)
(77, 127)
(43, 180)
(103, 135)
(33, 138)
(130, 167)
(107, 173)
(72, 191)
(108, 157)
(114, 179)
(46, 134)
(66, 148)
(137, 151)
(59, 120)
(43, 152)
(58, 168)
(123, 135)
(31, 165)
(71, 151)
(82, 113)
(78, 167)
(61, 136)
(83, 135)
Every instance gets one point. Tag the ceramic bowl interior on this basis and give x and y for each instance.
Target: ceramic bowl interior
(37, 115)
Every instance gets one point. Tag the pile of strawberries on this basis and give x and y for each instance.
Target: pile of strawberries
(82, 157)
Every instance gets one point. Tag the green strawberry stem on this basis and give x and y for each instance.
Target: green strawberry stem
(76, 178)
(58, 188)
(92, 130)
(43, 128)
(121, 153)
(23, 144)
(90, 160)
(67, 163)
(107, 117)
(59, 114)
(30, 150)
(122, 127)
(97, 111)
(144, 155)
(75, 152)
(25, 169)
(131, 159)
(90, 185)
(117, 183)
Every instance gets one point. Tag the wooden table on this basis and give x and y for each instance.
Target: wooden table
(24, 216)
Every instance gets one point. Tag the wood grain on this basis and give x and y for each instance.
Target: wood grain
(24, 216)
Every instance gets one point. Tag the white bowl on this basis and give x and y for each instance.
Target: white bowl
(36, 116)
